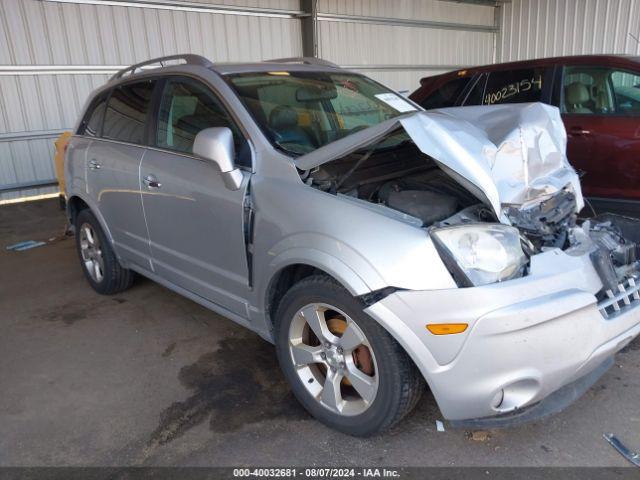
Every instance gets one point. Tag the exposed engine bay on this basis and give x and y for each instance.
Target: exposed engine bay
(406, 180)
(402, 179)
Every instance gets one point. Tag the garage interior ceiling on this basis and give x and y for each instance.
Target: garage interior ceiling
(53, 53)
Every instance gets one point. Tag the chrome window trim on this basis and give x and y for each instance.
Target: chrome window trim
(163, 150)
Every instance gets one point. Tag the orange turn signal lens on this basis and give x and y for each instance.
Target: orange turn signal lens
(446, 328)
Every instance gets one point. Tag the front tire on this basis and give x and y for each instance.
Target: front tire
(99, 262)
(345, 369)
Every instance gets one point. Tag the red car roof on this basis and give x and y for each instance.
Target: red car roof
(575, 59)
(429, 84)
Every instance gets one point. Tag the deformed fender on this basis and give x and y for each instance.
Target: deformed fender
(403, 334)
(328, 263)
(408, 340)
(327, 253)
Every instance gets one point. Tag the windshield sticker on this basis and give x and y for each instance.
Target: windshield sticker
(396, 102)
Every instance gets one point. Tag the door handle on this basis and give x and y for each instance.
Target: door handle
(579, 131)
(94, 164)
(151, 181)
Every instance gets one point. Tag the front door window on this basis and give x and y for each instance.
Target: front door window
(188, 107)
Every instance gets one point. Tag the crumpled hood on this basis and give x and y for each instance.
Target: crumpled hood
(504, 154)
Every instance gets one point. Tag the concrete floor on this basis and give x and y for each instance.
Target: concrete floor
(149, 378)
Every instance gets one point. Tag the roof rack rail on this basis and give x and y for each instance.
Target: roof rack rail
(305, 60)
(189, 58)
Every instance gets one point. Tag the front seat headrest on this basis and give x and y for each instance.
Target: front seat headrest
(577, 93)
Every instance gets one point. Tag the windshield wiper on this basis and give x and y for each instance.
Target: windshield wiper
(286, 150)
(360, 161)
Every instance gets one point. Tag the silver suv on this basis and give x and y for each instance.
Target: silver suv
(376, 245)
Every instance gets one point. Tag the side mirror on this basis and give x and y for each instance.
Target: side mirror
(216, 144)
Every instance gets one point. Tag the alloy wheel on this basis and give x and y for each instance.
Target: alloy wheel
(91, 252)
(333, 359)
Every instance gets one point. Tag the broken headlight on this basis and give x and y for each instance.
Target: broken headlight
(480, 254)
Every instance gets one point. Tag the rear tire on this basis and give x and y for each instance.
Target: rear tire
(376, 382)
(97, 258)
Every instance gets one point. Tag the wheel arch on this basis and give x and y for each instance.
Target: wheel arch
(294, 264)
(76, 203)
(419, 353)
(289, 274)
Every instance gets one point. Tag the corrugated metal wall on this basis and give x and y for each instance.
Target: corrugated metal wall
(51, 34)
(53, 53)
(386, 48)
(546, 28)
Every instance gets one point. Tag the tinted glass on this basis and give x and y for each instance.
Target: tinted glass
(301, 111)
(477, 92)
(126, 115)
(186, 108)
(600, 91)
(514, 86)
(626, 92)
(93, 119)
(446, 95)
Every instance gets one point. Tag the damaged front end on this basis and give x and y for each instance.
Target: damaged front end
(613, 243)
(546, 223)
(491, 185)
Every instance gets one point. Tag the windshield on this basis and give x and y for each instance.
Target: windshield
(302, 111)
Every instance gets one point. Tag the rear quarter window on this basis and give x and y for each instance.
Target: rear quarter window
(92, 123)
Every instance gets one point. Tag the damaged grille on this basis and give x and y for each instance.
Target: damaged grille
(616, 302)
(546, 223)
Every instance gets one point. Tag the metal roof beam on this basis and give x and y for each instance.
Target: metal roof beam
(192, 7)
(405, 22)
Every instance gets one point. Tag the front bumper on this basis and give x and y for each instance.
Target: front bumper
(527, 338)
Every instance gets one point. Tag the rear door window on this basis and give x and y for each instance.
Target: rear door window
(92, 123)
(127, 111)
(446, 95)
(514, 86)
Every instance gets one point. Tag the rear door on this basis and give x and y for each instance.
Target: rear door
(195, 223)
(75, 164)
(601, 111)
(113, 163)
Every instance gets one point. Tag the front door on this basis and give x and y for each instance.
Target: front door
(601, 112)
(195, 223)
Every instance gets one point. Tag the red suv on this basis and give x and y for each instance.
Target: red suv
(599, 98)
